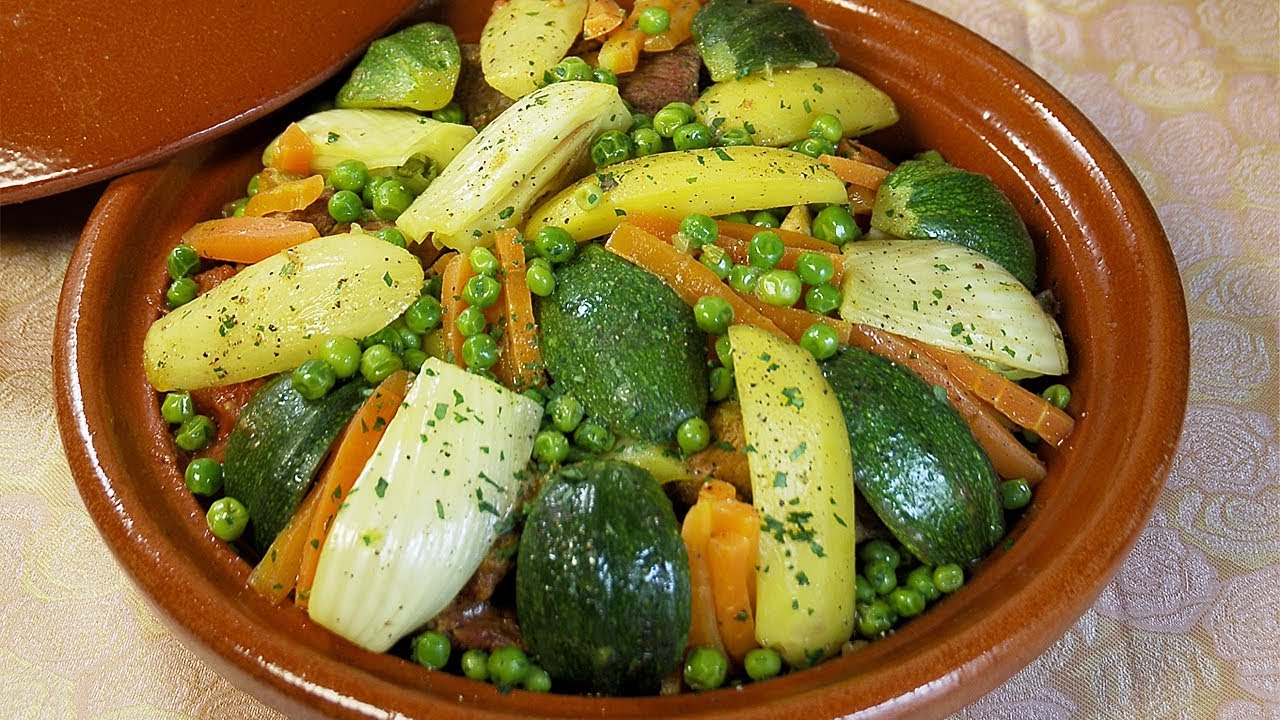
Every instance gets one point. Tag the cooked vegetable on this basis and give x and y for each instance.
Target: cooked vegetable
(915, 461)
(426, 508)
(955, 298)
(416, 68)
(713, 181)
(535, 146)
(625, 345)
(378, 138)
(615, 619)
(740, 37)
(802, 486)
(525, 38)
(276, 574)
(273, 315)
(929, 198)
(723, 534)
(294, 151)
(521, 336)
(855, 171)
(780, 108)
(286, 196)
(247, 239)
(276, 447)
(602, 16)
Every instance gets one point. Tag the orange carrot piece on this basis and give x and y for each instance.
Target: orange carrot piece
(621, 51)
(794, 321)
(689, 278)
(294, 150)
(733, 571)
(443, 261)
(522, 329)
(276, 574)
(247, 239)
(857, 151)
(456, 275)
(696, 533)
(862, 200)
(286, 197)
(353, 449)
(855, 171)
(743, 231)
(602, 16)
(661, 226)
(682, 12)
(738, 250)
(1011, 399)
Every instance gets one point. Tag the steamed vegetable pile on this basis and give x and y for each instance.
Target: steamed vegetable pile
(611, 401)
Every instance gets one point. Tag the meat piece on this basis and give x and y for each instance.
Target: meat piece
(662, 78)
(471, 620)
(317, 213)
(213, 277)
(725, 458)
(223, 406)
(479, 101)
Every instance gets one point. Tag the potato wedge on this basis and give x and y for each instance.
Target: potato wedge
(272, 315)
(378, 138)
(525, 38)
(714, 181)
(778, 109)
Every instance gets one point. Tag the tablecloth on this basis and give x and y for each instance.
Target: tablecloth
(1188, 93)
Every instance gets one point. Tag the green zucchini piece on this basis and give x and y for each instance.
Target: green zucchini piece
(622, 342)
(277, 446)
(929, 198)
(740, 37)
(602, 580)
(416, 68)
(915, 460)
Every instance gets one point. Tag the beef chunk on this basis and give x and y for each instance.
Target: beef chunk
(479, 101)
(662, 78)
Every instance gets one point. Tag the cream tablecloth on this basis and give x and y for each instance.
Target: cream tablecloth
(1190, 627)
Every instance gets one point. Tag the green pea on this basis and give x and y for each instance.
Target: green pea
(424, 314)
(713, 314)
(920, 579)
(691, 136)
(537, 680)
(349, 175)
(765, 250)
(483, 261)
(882, 577)
(765, 219)
(227, 518)
(203, 476)
(235, 208)
(593, 437)
(762, 663)
(414, 359)
(1057, 395)
(390, 198)
(735, 137)
(195, 433)
(386, 336)
(182, 261)
(949, 577)
(566, 412)
(864, 592)
(700, 230)
(720, 380)
(550, 446)
(588, 196)
(724, 352)
(345, 206)
(391, 235)
(1015, 494)
(780, 288)
(613, 146)
(409, 339)
(177, 407)
(604, 76)
(369, 186)
(640, 120)
(813, 147)
(879, 550)
(480, 351)
(814, 268)
(705, 668)
(379, 361)
(571, 68)
(555, 244)
(481, 291)
(470, 322)
(181, 292)
(431, 649)
(451, 113)
(508, 665)
(717, 259)
(654, 20)
(313, 379)
(475, 664)
(669, 119)
(821, 340)
(693, 435)
(823, 299)
(744, 278)
(433, 285)
(834, 224)
(827, 127)
(874, 619)
(540, 278)
(906, 602)
(646, 141)
(254, 185)
(737, 217)
(340, 353)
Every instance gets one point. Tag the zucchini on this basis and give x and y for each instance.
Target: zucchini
(416, 68)
(739, 37)
(915, 460)
(622, 342)
(602, 580)
(276, 447)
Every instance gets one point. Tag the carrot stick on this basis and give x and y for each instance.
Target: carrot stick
(354, 448)
(1012, 400)
(738, 250)
(522, 329)
(696, 533)
(794, 321)
(277, 573)
(743, 231)
(286, 197)
(442, 262)
(857, 151)
(682, 12)
(247, 239)
(602, 16)
(456, 275)
(855, 172)
(294, 150)
(862, 200)
(689, 278)
(733, 570)
(662, 226)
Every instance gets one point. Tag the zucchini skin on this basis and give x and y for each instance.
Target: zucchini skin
(915, 461)
(276, 447)
(602, 580)
(740, 37)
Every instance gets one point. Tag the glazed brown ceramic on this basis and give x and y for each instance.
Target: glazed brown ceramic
(1102, 252)
(92, 89)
